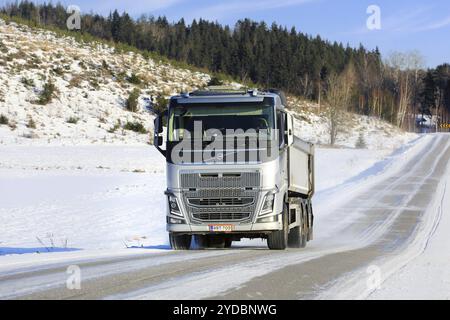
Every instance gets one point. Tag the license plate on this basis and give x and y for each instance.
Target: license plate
(221, 228)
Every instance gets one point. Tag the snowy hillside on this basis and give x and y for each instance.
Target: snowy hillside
(93, 82)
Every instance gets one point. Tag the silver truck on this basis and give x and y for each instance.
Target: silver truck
(235, 170)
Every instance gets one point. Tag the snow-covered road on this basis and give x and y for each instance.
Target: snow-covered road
(376, 230)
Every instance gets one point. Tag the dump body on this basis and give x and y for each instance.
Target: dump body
(301, 168)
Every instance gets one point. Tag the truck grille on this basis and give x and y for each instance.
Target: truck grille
(221, 216)
(217, 180)
(221, 197)
(211, 202)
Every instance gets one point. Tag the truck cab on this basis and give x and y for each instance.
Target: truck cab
(235, 170)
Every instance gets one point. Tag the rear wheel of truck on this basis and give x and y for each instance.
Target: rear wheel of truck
(298, 236)
(278, 240)
(180, 242)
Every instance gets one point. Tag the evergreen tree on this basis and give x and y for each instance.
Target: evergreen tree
(428, 94)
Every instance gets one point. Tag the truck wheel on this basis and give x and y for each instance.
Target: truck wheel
(180, 242)
(278, 240)
(298, 236)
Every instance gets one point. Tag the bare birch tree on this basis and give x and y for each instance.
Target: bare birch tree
(404, 68)
(339, 93)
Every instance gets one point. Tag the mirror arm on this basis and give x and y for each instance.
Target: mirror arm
(163, 152)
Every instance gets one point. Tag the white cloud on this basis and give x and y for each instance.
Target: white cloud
(135, 7)
(414, 20)
(435, 25)
(218, 11)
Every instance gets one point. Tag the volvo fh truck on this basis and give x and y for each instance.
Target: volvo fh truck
(235, 170)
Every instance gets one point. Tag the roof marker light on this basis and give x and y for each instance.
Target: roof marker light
(254, 92)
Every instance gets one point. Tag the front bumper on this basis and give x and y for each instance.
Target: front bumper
(258, 227)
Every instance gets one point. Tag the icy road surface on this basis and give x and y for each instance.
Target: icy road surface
(375, 232)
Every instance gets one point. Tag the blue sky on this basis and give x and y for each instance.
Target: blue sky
(405, 24)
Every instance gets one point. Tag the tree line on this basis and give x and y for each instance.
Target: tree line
(396, 89)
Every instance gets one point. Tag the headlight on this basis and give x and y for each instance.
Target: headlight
(173, 206)
(268, 204)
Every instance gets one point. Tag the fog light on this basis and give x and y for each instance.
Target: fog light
(175, 221)
(268, 219)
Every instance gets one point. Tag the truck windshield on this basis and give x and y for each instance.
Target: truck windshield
(228, 119)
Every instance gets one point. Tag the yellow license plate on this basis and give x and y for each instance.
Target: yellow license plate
(221, 228)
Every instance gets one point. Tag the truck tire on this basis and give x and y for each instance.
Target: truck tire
(298, 236)
(180, 242)
(278, 240)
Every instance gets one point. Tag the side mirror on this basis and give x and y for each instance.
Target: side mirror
(159, 124)
(289, 129)
(158, 139)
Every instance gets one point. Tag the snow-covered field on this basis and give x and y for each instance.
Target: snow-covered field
(81, 197)
(106, 197)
